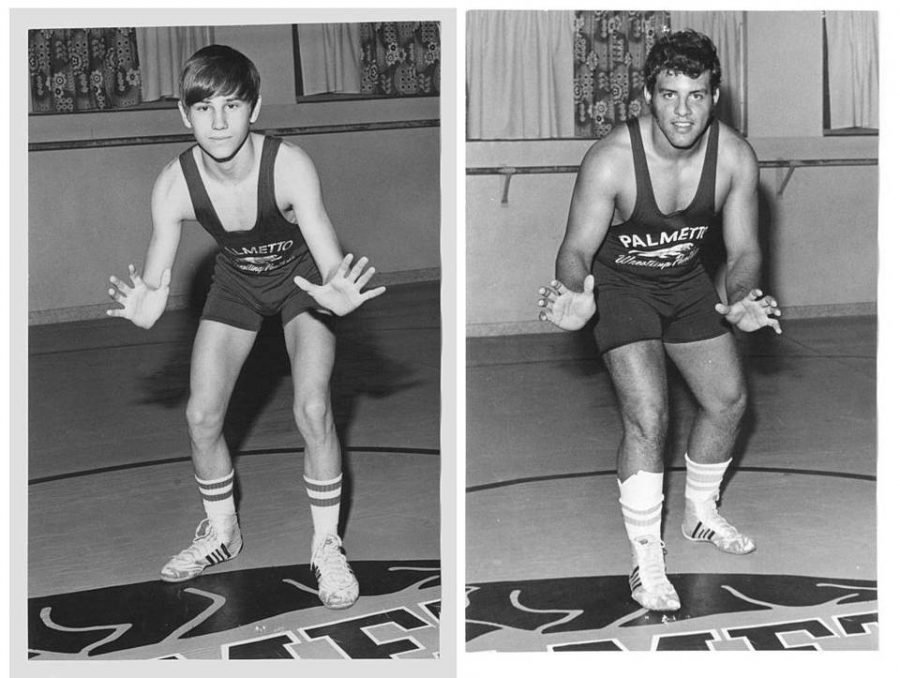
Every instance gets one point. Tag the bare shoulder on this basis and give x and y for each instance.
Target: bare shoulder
(170, 193)
(736, 155)
(294, 163)
(608, 160)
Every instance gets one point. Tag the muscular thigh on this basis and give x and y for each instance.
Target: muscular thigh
(638, 373)
(712, 368)
(311, 347)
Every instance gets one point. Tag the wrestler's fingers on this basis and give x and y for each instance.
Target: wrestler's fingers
(121, 286)
(589, 284)
(365, 277)
(775, 325)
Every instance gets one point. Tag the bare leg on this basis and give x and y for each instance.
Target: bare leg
(713, 372)
(310, 345)
(639, 377)
(219, 354)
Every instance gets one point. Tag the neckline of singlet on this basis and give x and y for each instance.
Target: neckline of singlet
(641, 168)
(270, 145)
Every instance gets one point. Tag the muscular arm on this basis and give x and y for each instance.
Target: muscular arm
(590, 213)
(740, 215)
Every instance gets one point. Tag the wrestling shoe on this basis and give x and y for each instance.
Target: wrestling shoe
(211, 546)
(702, 522)
(338, 587)
(650, 587)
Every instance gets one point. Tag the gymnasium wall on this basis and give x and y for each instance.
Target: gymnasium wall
(89, 208)
(820, 234)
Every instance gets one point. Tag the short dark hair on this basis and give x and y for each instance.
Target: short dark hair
(218, 69)
(685, 52)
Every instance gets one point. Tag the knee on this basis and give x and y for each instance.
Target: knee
(312, 413)
(730, 406)
(647, 425)
(203, 420)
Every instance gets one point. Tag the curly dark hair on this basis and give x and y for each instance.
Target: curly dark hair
(217, 69)
(686, 52)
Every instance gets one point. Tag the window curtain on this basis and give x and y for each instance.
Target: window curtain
(401, 58)
(853, 68)
(610, 50)
(519, 74)
(728, 31)
(330, 58)
(83, 69)
(162, 52)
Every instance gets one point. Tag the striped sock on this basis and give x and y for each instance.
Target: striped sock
(324, 503)
(218, 497)
(641, 499)
(703, 480)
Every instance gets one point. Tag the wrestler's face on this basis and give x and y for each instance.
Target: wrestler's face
(220, 124)
(682, 106)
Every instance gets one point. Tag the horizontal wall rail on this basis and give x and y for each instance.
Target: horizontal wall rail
(509, 171)
(149, 139)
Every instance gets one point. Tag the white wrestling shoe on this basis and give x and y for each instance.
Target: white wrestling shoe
(650, 587)
(703, 523)
(338, 588)
(211, 546)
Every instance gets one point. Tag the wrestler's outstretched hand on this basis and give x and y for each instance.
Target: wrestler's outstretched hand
(343, 292)
(753, 312)
(141, 304)
(567, 309)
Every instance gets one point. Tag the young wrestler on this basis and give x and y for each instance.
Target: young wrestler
(645, 198)
(259, 197)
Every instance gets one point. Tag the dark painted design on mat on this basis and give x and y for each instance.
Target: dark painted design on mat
(213, 616)
(719, 612)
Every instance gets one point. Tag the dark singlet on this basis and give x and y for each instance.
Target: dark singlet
(272, 243)
(652, 247)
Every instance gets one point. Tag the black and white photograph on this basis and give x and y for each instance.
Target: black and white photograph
(234, 335)
(671, 326)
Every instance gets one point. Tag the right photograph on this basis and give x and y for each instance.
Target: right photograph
(671, 330)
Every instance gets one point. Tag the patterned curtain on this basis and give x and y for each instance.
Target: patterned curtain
(401, 58)
(83, 69)
(610, 48)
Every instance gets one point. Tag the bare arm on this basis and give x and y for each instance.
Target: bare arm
(568, 302)
(342, 288)
(590, 213)
(748, 308)
(740, 215)
(144, 301)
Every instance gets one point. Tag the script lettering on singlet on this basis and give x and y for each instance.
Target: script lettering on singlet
(663, 250)
(262, 258)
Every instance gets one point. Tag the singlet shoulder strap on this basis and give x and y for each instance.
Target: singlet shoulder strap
(643, 188)
(706, 192)
(203, 208)
(265, 202)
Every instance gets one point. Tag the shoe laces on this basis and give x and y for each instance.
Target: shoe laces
(709, 514)
(204, 535)
(651, 562)
(330, 562)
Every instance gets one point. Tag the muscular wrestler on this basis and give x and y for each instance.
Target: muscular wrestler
(259, 197)
(645, 198)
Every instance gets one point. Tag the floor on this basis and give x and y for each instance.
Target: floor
(111, 493)
(547, 560)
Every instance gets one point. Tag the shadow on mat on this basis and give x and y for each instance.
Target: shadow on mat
(363, 367)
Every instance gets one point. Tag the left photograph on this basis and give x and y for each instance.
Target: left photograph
(234, 333)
